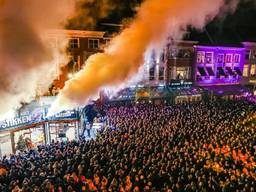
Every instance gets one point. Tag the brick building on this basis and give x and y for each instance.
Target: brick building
(174, 63)
(81, 45)
(178, 61)
(249, 73)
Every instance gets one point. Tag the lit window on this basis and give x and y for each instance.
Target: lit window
(182, 72)
(93, 43)
(209, 57)
(228, 58)
(253, 69)
(200, 57)
(245, 72)
(253, 54)
(74, 43)
(220, 58)
(236, 58)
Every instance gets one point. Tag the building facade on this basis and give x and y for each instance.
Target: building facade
(218, 65)
(249, 73)
(179, 61)
(173, 63)
(32, 124)
(81, 44)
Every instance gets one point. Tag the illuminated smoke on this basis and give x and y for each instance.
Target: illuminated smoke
(90, 12)
(26, 60)
(156, 20)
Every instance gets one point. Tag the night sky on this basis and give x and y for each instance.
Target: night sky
(231, 30)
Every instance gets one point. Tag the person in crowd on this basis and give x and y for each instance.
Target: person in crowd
(187, 147)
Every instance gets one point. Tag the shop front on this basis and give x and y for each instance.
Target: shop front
(63, 131)
(23, 129)
(5, 144)
(28, 131)
(29, 137)
(188, 99)
(64, 126)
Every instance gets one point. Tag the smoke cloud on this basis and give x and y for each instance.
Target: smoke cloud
(155, 22)
(89, 12)
(26, 59)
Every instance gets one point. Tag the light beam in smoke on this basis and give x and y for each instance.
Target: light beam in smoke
(155, 21)
(26, 59)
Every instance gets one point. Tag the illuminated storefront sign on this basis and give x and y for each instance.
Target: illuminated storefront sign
(71, 114)
(35, 118)
(20, 121)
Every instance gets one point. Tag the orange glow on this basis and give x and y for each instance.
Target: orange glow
(154, 23)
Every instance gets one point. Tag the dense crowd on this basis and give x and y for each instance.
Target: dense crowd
(187, 147)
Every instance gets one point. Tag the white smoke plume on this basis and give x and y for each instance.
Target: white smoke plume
(26, 59)
(156, 20)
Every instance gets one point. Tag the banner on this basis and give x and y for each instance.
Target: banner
(21, 121)
(36, 117)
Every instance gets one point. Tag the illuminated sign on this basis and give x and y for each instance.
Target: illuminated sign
(64, 115)
(19, 121)
(36, 117)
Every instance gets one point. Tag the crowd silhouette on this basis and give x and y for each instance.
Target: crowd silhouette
(187, 147)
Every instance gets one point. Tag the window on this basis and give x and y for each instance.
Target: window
(152, 73)
(220, 58)
(93, 43)
(162, 57)
(247, 54)
(245, 72)
(200, 58)
(62, 131)
(236, 58)
(161, 73)
(228, 58)
(253, 54)
(74, 43)
(182, 72)
(253, 69)
(184, 53)
(173, 53)
(209, 57)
